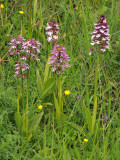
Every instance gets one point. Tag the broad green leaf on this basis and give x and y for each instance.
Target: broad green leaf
(18, 121)
(58, 113)
(89, 118)
(94, 114)
(47, 86)
(34, 122)
(39, 82)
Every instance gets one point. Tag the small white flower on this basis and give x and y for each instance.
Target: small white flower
(101, 30)
(49, 33)
(103, 50)
(104, 21)
(90, 53)
(92, 43)
(98, 35)
(38, 51)
(55, 37)
(97, 42)
(95, 31)
(49, 39)
(107, 47)
(92, 36)
(103, 26)
(98, 27)
(48, 27)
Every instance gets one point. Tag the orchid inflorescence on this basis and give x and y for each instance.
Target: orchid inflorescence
(100, 35)
(58, 59)
(59, 56)
(24, 50)
(52, 30)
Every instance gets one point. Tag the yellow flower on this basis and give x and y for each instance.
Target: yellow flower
(1, 6)
(21, 12)
(40, 107)
(85, 140)
(67, 92)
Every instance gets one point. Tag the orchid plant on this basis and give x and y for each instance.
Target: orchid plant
(58, 62)
(100, 38)
(24, 51)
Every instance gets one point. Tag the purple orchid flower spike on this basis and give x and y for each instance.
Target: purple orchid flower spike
(100, 35)
(52, 30)
(20, 68)
(59, 59)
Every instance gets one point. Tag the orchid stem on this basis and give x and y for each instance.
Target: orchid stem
(18, 95)
(23, 105)
(95, 91)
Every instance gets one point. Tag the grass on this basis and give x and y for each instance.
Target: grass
(49, 138)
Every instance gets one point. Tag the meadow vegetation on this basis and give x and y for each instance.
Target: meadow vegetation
(59, 90)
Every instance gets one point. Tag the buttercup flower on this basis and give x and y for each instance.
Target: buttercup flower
(85, 140)
(21, 12)
(67, 92)
(40, 107)
(1, 6)
(58, 59)
(100, 35)
(52, 30)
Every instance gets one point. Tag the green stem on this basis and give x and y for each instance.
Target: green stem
(27, 123)
(30, 19)
(18, 95)
(23, 105)
(96, 74)
(60, 96)
(21, 25)
(95, 91)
